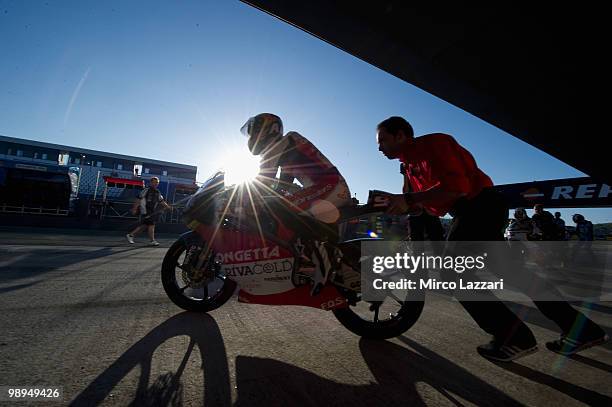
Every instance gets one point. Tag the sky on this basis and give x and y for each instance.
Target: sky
(175, 81)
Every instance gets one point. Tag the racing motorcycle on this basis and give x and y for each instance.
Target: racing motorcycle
(233, 246)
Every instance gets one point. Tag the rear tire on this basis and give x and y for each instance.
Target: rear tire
(356, 319)
(405, 318)
(177, 294)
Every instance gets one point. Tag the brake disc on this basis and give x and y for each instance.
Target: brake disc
(193, 278)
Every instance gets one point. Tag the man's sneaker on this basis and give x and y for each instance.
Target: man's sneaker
(153, 243)
(505, 353)
(130, 238)
(568, 346)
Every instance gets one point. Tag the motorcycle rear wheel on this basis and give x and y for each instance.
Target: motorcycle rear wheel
(223, 287)
(356, 320)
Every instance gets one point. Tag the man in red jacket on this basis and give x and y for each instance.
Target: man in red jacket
(445, 179)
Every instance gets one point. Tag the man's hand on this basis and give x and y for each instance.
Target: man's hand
(401, 204)
(397, 204)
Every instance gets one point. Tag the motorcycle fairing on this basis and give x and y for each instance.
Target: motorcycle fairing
(328, 298)
(260, 267)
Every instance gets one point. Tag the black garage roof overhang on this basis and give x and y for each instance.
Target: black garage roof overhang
(514, 66)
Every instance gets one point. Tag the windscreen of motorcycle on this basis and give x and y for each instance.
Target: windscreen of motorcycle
(202, 206)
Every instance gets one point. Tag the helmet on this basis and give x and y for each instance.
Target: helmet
(263, 131)
(577, 218)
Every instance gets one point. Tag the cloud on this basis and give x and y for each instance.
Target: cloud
(75, 95)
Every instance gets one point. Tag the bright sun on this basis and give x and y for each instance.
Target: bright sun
(240, 166)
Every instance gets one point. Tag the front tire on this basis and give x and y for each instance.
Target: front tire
(185, 291)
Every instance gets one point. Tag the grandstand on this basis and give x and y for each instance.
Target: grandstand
(77, 178)
(91, 166)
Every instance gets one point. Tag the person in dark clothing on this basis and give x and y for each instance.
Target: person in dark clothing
(545, 222)
(520, 228)
(444, 179)
(584, 228)
(423, 226)
(426, 227)
(560, 224)
(560, 250)
(582, 253)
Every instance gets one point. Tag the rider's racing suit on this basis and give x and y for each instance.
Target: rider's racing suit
(324, 191)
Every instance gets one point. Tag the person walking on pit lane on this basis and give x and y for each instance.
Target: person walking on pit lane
(147, 205)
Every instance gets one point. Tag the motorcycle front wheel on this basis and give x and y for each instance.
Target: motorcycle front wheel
(193, 290)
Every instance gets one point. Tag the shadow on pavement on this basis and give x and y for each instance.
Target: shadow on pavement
(593, 306)
(267, 382)
(592, 362)
(15, 287)
(535, 317)
(401, 368)
(589, 397)
(37, 262)
(398, 372)
(202, 331)
(448, 369)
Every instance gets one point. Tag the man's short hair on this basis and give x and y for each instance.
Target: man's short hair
(538, 206)
(154, 178)
(394, 124)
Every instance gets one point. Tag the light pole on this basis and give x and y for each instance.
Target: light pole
(80, 173)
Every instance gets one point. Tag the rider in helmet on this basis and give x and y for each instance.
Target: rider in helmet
(324, 191)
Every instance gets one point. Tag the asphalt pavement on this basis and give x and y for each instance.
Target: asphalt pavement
(86, 312)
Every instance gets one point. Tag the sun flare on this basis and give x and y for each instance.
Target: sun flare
(240, 166)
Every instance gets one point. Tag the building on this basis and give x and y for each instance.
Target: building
(91, 166)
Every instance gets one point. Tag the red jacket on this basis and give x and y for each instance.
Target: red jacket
(438, 160)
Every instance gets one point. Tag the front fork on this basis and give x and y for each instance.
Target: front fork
(199, 255)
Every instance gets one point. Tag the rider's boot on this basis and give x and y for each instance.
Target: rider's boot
(323, 267)
(348, 278)
(305, 270)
